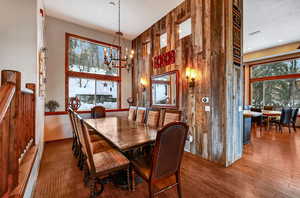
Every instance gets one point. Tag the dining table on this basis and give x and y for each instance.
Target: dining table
(123, 134)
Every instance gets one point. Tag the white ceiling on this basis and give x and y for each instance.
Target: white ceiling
(136, 15)
(277, 20)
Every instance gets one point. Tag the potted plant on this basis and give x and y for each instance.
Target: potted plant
(52, 105)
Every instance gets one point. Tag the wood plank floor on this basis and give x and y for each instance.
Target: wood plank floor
(270, 167)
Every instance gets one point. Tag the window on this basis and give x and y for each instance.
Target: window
(163, 40)
(276, 84)
(185, 28)
(87, 77)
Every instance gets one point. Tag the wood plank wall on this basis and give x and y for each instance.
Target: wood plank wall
(209, 50)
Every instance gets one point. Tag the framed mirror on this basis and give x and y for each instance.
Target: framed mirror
(164, 91)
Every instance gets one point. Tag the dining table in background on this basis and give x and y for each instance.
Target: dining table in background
(248, 115)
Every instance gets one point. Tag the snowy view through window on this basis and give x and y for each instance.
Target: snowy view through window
(88, 57)
(282, 92)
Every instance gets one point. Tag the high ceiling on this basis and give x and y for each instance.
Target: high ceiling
(268, 23)
(136, 15)
(276, 22)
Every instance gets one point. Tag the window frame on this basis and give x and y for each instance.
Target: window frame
(85, 75)
(262, 62)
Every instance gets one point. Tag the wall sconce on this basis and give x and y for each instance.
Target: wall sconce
(191, 75)
(143, 82)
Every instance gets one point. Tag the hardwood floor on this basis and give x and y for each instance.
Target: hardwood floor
(270, 167)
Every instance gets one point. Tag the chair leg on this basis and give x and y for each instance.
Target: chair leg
(93, 193)
(132, 179)
(294, 126)
(128, 179)
(151, 193)
(178, 185)
(289, 128)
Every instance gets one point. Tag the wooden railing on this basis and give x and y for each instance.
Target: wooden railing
(17, 128)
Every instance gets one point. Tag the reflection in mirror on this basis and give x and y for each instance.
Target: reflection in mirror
(164, 89)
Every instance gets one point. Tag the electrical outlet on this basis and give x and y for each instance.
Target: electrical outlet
(207, 108)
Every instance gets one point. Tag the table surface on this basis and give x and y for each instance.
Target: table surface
(122, 133)
(249, 113)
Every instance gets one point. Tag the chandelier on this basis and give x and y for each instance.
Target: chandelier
(111, 59)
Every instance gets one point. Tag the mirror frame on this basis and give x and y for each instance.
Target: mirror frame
(176, 106)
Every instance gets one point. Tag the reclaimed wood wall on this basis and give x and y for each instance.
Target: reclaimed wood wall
(209, 50)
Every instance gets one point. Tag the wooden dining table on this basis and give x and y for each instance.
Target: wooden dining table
(122, 133)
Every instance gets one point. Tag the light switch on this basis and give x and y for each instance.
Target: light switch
(240, 108)
(207, 108)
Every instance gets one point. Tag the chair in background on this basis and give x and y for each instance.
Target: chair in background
(153, 117)
(140, 115)
(285, 119)
(98, 112)
(101, 164)
(132, 113)
(171, 116)
(294, 118)
(165, 160)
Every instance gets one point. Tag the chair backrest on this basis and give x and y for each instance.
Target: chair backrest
(295, 114)
(153, 117)
(168, 150)
(140, 115)
(132, 113)
(171, 116)
(71, 116)
(85, 141)
(98, 112)
(268, 108)
(286, 115)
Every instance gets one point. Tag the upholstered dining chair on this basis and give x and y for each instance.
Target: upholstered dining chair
(171, 116)
(96, 145)
(285, 119)
(294, 118)
(140, 115)
(165, 160)
(132, 113)
(101, 164)
(153, 117)
(98, 112)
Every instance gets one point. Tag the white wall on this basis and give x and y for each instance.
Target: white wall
(55, 43)
(58, 127)
(20, 38)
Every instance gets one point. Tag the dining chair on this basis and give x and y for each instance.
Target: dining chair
(75, 145)
(101, 164)
(171, 116)
(140, 115)
(294, 118)
(165, 160)
(153, 117)
(98, 112)
(132, 113)
(97, 146)
(285, 119)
